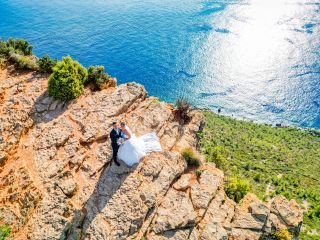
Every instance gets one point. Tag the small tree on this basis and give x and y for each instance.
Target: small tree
(67, 79)
(236, 189)
(99, 78)
(46, 64)
(216, 157)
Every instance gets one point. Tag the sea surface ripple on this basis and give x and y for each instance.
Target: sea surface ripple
(255, 59)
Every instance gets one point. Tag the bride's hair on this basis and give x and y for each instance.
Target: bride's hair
(123, 124)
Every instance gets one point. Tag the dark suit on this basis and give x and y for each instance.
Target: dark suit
(114, 136)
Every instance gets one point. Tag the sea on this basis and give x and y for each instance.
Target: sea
(254, 59)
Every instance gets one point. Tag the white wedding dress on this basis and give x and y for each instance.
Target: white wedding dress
(132, 150)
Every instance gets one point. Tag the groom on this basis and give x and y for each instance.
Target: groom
(115, 134)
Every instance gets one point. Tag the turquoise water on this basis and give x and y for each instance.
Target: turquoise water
(257, 59)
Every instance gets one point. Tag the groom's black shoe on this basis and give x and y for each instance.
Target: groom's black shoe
(117, 163)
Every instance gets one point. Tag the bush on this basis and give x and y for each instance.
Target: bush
(4, 49)
(282, 234)
(23, 62)
(2, 61)
(191, 158)
(20, 46)
(236, 189)
(4, 232)
(19, 52)
(67, 79)
(99, 78)
(183, 109)
(314, 212)
(199, 172)
(46, 64)
(216, 157)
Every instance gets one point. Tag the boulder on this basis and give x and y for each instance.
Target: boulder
(68, 186)
(183, 183)
(288, 211)
(176, 211)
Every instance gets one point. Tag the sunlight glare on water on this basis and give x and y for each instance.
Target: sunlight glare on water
(254, 68)
(255, 59)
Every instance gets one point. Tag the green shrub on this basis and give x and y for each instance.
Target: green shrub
(46, 64)
(4, 231)
(23, 62)
(214, 155)
(20, 46)
(282, 234)
(99, 78)
(19, 52)
(257, 177)
(183, 109)
(2, 60)
(191, 158)
(199, 172)
(314, 212)
(67, 79)
(236, 188)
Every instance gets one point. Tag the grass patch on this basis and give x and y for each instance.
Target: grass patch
(236, 188)
(191, 158)
(198, 172)
(4, 231)
(275, 161)
(282, 234)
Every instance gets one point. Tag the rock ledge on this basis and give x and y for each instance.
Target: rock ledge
(57, 181)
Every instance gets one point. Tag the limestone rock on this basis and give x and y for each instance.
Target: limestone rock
(214, 231)
(68, 186)
(252, 214)
(174, 235)
(209, 183)
(57, 181)
(244, 234)
(183, 183)
(259, 210)
(288, 211)
(175, 212)
(247, 221)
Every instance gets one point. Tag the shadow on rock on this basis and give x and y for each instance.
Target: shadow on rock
(46, 108)
(111, 179)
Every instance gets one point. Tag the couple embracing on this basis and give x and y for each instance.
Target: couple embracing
(129, 148)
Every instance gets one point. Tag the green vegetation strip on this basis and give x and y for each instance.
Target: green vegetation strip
(4, 231)
(275, 161)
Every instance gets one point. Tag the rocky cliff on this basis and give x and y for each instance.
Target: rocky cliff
(57, 181)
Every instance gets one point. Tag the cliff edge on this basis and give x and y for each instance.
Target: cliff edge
(57, 181)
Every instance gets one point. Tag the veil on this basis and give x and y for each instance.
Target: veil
(136, 148)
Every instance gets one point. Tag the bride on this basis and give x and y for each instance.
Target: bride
(134, 148)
